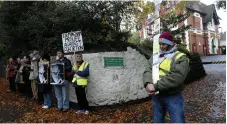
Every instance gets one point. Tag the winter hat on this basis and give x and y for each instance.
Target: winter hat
(167, 38)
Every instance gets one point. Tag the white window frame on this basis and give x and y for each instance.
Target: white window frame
(196, 14)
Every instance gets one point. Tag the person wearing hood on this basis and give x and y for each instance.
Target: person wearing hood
(62, 91)
(173, 69)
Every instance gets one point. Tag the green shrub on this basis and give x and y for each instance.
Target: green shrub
(197, 70)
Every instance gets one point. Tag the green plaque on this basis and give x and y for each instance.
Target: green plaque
(113, 61)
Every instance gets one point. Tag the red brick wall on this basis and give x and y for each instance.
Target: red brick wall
(190, 19)
(200, 40)
(207, 44)
(194, 40)
(194, 21)
(197, 22)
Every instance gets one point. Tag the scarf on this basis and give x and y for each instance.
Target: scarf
(170, 51)
(166, 54)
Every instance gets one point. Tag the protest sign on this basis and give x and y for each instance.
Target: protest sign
(43, 73)
(57, 73)
(72, 42)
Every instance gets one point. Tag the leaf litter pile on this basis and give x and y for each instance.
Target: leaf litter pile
(199, 108)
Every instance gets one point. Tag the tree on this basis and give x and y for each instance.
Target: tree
(221, 4)
(33, 25)
(142, 9)
(172, 18)
(134, 39)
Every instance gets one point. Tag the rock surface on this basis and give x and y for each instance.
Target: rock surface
(113, 85)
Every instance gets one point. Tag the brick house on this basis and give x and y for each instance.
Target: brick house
(203, 36)
(223, 43)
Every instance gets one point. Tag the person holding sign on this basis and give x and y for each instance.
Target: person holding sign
(80, 82)
(173, 69)
(62, 88)
(44, 80)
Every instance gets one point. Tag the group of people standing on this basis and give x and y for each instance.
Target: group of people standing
(23, 75)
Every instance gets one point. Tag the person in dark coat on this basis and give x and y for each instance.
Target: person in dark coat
(11, 76)
(27, 83)
(44, 84)
(62, 90)
(17, 78)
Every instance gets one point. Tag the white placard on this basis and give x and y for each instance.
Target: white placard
(57, 73)
(43, 73)
(72, 42)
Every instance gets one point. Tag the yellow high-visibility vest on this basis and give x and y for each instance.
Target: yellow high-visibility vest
(165, 65)
(81, 81)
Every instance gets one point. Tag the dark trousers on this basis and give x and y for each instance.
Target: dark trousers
(40, 99)
(81, 97)
(12, 84)
(29, 90)
(26, 89)
(20, 87)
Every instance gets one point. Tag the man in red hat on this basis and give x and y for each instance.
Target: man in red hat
(173, 69)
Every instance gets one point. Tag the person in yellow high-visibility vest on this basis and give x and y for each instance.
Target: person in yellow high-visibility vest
(173, 69)
(80, 82)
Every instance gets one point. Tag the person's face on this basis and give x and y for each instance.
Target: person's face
(18, 60)
(79, 58)
(60, 55)
(55, 70)
(25, 59)
(163, 46)
(10, 59)
(41, 70)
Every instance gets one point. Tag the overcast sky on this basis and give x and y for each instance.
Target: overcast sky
(221, 14)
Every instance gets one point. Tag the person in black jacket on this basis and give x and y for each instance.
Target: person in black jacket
(62, 90)
(26, 72)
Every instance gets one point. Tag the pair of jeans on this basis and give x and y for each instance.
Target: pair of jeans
(62, 95)
(47, 99)
(173, 104)
(81, 97)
